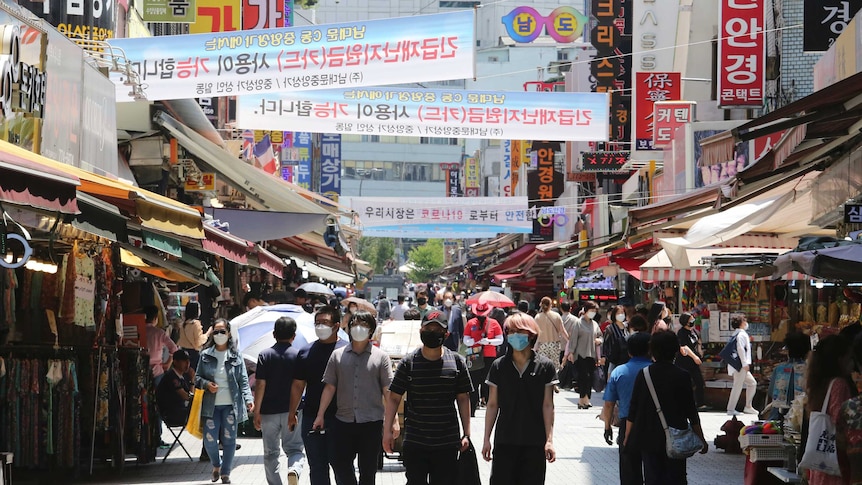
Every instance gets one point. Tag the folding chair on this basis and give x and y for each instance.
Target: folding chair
(171, 427)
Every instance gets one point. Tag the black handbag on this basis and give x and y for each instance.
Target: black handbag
(599, 379)
(467, 472)
(729, 355)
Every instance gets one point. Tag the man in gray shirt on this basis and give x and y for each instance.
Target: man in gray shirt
(358, 376)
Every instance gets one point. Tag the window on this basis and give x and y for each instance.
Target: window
(438, 141)
(562, 56)
(458, 4)
(371, 138)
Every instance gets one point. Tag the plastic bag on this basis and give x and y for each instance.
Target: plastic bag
(194, 426)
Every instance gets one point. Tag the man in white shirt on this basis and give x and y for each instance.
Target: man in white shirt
(398, 310)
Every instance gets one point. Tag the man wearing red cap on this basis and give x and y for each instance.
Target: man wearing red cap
(483, 334)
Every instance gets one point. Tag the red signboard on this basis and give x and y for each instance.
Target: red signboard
(667, 117)
(763, 144)
(741, 53)
(604, 161)
(652, 87)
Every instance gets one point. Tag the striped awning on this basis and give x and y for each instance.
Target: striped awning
(670, 274)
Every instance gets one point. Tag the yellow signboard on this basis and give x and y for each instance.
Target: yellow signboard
(206, 183)
(217, 16)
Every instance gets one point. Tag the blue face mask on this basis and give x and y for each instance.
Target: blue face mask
(519, 341)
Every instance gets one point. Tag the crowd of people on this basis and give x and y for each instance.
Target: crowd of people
(337, 400)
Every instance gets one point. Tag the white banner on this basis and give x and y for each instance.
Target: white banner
(456, 216)
(431, 113)
(375, 52)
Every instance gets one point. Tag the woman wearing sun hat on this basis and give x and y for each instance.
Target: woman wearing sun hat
(481, 330)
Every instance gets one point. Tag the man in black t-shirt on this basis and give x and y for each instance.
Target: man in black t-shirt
(308, 377)
(174, 393)
(434, 378)
(273, 378)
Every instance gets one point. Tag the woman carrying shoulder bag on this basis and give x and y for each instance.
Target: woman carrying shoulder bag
(582, 351)
(192, 336)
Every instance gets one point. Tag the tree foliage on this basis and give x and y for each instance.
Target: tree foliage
(426, 259)
(376, 250)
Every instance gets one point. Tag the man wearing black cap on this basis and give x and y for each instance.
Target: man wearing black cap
(174, 392)
(436, 378)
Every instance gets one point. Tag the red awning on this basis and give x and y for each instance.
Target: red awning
(269, 262)
(226, 245)
(600, 261)
(500, 277)
(30, 183)
(670, 274)
(513, 260)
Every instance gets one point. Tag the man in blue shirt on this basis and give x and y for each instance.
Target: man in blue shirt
(619, 391)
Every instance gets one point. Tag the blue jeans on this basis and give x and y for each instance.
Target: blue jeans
(223, 422)
(276, 437)
(318, 449)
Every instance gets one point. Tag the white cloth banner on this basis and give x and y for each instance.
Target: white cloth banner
(431, 113)
(421, 48)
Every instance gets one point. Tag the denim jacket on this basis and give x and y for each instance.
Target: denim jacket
(237, 378)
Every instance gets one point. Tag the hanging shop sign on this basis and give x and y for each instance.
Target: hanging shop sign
(216, 16)
(604, 161)
(667, 117)
(544, 186)
(506, 170)
(204, 182)
(264, 14)
(853, 213)
(170, 11)
(22, 85)
(825, 20)
(431, 113)
(741, 53)
(471, 177)
(77, 19)
(330, 165)
(453, 179)
(351, 54)
(652, 87)
(525, 24)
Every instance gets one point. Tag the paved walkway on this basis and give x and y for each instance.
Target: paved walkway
(583, 458)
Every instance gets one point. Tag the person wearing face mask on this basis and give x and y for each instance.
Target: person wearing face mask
(551, 331)
(308, 377)
(455, 320)
(400, 307)
(485, 332)
(221, 372)
(521, 405)
(741, 377)
(422, 303)
(358, 378)
(691, 353)
(615, 337)
(581, 351)
(436, 379)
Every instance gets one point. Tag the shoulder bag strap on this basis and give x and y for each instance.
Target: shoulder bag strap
(825, 406)
(655, 398)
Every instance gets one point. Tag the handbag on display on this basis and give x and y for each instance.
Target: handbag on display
(820, 449)
(729, 354)
(679, 443)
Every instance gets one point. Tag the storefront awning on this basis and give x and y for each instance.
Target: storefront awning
(157, 266)
(25, 179)
(330, 274)
(513, 261)
(659, 267)
(265, 260)
(100, 218)
(267, 225)
(226, 245)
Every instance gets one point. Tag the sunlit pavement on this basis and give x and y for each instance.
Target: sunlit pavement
(583, 458)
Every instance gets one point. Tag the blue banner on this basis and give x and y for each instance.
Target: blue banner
(375, 52)
(330, 166)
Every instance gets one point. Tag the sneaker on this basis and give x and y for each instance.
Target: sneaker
(733, 413)
(164, 445)
(750, 410)
(292, 478)
(238, 446)
(225, 479)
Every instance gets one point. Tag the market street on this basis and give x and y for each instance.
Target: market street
(583, 458)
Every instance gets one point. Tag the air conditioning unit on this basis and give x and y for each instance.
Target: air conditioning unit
(556, 67)
(147, 152)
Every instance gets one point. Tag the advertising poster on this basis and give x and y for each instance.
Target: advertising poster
(376, 52)
(330, 165)
(564, 24)
(170, 11)
(712, 174)
(442, 217)
(432, 113)
(741, 53)
(84, 20)
(652, 87)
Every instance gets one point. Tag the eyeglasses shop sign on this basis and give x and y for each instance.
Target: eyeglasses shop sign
(22, 86)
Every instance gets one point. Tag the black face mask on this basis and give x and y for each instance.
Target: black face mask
(422, 301)
(432, 340)
(667, 320)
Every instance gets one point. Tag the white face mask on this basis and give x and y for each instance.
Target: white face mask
(359, 333)
(220, 339)
(447, 302)
(323, 331)
(621, 317)
(591, 314)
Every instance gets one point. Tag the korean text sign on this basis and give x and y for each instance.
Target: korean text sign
(741, 53)
(443, 215)
(432, 113)
(652, 87)
(330, 165)
(667, 117)
(375, 52)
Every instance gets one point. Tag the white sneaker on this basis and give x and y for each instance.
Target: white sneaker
(750, 410)
(733, 412)
(292, 478)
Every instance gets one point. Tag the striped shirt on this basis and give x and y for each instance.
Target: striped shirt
(430, 419)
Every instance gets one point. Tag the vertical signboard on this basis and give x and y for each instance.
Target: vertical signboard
(453, 179)
(611, 68)
(77, 19)
(544, 186)
(741, 53)
(262, 14)
(667, 117)
(61, 127)
(300, 159)
(824, 20)
(330, 165)
(506, 170)
(471, 177)
(217, 16)
(652, 87)
(99, 123)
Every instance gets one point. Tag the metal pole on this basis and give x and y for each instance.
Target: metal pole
(95, 408)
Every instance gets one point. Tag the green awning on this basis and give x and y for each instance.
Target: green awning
(162, 243)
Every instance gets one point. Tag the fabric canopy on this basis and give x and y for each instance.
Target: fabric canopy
(224, 244)
(841, 263)
(154, 265)
(267, 261)
(27, 179)
(100, 218)
(660, 268)
(267, 225)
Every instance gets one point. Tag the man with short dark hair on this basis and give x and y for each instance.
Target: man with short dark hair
(252, 300)
(455, 318)
(619, 391)
(174, 393)
(436, 378)
(301, 299)
(399, 309)
(274, 376)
